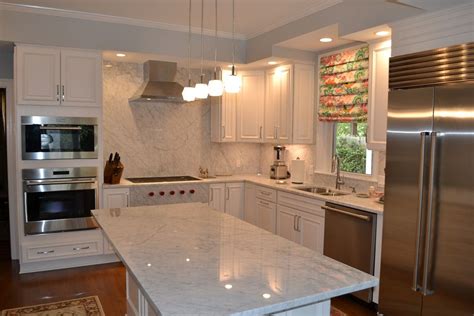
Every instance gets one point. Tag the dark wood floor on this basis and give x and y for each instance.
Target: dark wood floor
(106, 281)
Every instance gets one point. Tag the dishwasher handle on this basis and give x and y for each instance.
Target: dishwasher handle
(362, 217)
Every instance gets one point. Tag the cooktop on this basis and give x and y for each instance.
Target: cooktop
(162, 179)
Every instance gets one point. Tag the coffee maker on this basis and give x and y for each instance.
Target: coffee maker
(279, 170)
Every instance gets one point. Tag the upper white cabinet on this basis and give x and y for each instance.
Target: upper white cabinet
(38, 75)
(378, 95)
(56, 76)
(278, 105)
(224, 118)
(250, 102)
(273, 106)
(303, 104)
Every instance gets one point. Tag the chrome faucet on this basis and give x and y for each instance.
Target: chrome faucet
(336, 167)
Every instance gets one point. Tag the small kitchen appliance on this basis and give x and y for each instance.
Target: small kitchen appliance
(279, 169)
(297, 171)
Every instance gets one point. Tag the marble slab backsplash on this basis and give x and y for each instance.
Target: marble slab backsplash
(159, 139)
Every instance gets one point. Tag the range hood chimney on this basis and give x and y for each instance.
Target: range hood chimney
(160, 83)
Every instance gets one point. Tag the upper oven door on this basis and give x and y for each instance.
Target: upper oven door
(59, 199)
(59, 138)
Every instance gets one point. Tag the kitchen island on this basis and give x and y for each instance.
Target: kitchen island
(187, 259)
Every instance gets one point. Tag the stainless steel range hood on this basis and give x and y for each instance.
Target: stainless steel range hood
(160, 83)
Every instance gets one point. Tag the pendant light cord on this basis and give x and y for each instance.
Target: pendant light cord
(189, 46)
(233, 37)
(215, 44)
(202, 44)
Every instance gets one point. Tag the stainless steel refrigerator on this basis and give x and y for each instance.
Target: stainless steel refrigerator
(428, 229)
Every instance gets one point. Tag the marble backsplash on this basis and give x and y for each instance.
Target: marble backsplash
(158, 139)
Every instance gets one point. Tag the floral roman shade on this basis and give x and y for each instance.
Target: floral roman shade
(344, 86)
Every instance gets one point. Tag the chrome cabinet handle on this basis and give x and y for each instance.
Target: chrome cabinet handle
(363, 217)
(261, 132)
(44, 252)
(227, 193)
(57, 92)
(275, 132)
(223, 131)
(211, 192)
(264, 203)
(298, 219)
(429, 219)
(265, 193)
(61, 128)
(294, 222)
(62, 92)
(81, 248)
(421, 180)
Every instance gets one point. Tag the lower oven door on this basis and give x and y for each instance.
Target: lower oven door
(57, 205)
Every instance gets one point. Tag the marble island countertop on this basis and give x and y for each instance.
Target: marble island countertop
(350, 200)
(190, 259)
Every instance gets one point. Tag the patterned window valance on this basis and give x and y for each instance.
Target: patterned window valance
(344, 86)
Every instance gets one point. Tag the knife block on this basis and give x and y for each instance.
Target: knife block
(113, 172)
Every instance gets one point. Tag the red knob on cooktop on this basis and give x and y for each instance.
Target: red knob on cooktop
(151, 193)
(171, 192)
(182, 192)
(162, 193)
(191, 191)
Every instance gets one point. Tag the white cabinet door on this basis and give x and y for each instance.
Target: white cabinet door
(37, 71)
(217, 196)
(303, 104)
(250, 106)
(378, 95)
(266, 215)
(81, 78)
(250, 204)
(224, 116)
(285, 113)
(286, 223)
(116, 198)
(311, 231)
(278, 105)
(234, 199)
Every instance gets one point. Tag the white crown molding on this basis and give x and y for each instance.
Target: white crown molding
(319, 6)
(110, 19)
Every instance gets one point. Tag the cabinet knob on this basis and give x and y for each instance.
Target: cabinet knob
(162, 193)
(182, 192)
(172, 192)
(151, 193)
(192, 191)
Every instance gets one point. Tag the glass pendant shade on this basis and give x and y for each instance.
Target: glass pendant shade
(232, 84)
(216, 88)
(201, 90)
(188, 94)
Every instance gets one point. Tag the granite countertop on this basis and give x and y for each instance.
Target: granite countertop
(350, 200)
(190, 259)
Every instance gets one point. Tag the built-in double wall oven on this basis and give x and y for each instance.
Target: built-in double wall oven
(59, 199)
(52, 137)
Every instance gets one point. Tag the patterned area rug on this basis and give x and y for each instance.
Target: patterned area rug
(85, 306)
(337, 312)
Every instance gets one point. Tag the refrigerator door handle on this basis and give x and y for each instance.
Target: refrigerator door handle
(429, 219)
(419, 227)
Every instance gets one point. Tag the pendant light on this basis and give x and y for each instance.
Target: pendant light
(188, 91)
(202, 90)
(216, 86)
(232, 82)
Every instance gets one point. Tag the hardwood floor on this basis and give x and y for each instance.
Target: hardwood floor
(106, 281)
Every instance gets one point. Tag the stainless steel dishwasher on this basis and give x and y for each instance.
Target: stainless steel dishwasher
(349, 237)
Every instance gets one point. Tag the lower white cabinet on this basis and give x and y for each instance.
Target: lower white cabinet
(250, 204)
(227, 198)
(301, 220)
(116, 197)
(266, 215)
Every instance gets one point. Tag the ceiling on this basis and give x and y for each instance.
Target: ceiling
(252, 17)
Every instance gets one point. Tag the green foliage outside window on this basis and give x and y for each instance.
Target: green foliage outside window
(351, 147)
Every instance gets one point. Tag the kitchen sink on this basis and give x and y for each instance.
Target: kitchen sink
(323, 191)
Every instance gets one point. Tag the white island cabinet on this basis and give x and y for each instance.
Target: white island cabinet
(227, 198)
(198, 261)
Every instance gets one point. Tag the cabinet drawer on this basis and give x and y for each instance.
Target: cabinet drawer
(266, 194)
(301, 203)
(87, 248)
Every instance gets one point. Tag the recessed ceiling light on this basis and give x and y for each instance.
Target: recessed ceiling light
(382, 33)
(120, 55)
(107, 65)
(266, 296)
(228, 286)
(272, 62)
(325, 39)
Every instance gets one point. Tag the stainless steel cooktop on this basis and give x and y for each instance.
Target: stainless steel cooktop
(162, 179)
